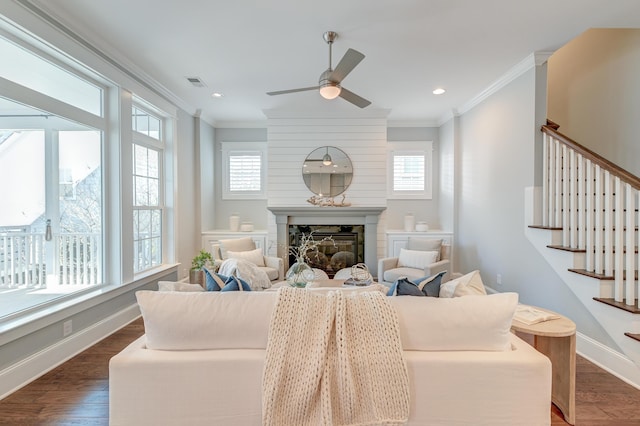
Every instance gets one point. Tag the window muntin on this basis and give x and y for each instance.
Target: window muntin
(147, 208)
(145, 123)
(409, 170)
(244, 170)
(23, 67)
(48, 241)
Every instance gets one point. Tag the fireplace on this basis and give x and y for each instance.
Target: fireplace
(363, 219)
(345, 249)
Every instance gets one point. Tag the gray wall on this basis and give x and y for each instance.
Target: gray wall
(249, 210)
(495, 164)
(594, 93)
(205, 141)
(423, 210)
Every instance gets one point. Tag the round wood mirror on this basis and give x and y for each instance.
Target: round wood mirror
(327, 171)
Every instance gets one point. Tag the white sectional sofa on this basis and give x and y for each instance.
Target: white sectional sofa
(201, 362)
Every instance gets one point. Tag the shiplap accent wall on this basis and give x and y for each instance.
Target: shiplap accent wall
(290, 140)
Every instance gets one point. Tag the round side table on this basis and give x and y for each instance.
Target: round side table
(556, 339)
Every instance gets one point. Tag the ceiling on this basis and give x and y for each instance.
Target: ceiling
(244, 48)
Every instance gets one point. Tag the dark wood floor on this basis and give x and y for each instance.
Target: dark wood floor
(77, 392)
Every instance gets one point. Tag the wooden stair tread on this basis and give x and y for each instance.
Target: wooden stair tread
(591, 274)
(578, 250)
(564, 248)
(620, 305)
(551, 228)
(600, 276)
(633, 336)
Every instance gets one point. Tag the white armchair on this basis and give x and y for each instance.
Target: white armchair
(273, 266)
(422, 258)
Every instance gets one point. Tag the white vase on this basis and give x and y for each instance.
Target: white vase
(409, 222)
(234, 222)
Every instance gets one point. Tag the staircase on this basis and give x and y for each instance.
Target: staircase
(586, 226)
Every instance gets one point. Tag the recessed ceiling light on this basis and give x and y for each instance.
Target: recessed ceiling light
(439, 91)
(217, 95)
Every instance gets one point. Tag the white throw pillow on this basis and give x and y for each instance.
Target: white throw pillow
(474, 323)
(252, 256)
(466, 285)
(416, 258)
(211, 320)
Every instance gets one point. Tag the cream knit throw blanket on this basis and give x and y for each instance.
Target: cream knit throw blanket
(334, 359)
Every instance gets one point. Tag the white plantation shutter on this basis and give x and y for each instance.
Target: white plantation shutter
(408, 172)
(244, 170)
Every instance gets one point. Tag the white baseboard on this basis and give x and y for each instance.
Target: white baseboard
(609, 360)
(36, 365)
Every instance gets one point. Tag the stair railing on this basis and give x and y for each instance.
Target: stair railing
(595, 202)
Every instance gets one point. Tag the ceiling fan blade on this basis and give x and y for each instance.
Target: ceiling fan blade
(354, 99)
(303, 89)
(346, 65)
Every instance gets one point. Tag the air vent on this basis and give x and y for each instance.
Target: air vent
(196, 81)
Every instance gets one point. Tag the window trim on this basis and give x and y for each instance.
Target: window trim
(231, 148)
(424, 148)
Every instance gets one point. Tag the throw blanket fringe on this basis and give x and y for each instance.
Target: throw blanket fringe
(334, 359)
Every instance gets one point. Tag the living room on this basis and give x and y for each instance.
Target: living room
(482, 162)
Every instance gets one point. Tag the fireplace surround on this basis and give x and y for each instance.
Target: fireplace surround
(341, 216)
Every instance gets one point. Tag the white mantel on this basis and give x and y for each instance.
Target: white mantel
(313, 215)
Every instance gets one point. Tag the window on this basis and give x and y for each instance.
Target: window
(147, 191)
(410, 170)
(243, 170)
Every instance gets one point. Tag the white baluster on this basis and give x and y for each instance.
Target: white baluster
(566, 222)
(573, 200)
(599, 221)
(630, 214)
(589, 222)
(608, 224)
(545, 179)
(618, 241)
(557, 190)
(582, 201)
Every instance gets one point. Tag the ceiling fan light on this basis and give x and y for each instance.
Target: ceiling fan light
(330, 91)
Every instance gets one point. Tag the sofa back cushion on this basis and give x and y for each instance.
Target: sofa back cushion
(212, 320)
(479, 323)
(240, 320)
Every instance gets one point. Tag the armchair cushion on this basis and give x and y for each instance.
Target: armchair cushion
(236, 244)
(416, 258)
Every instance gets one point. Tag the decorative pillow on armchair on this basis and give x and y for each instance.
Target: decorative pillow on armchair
(253, 256)
(427, 286)
(416, 258)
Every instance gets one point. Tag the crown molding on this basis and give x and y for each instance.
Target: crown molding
(531, 61)
(328, 113)
(412, 123)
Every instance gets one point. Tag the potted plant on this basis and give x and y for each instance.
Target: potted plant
(196, 274)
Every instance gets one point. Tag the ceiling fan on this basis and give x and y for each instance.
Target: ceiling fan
(329, 83)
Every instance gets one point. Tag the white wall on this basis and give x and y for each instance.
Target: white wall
(447, 178)
(594, 93)
(495, 163)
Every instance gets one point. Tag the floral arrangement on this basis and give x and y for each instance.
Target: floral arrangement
(307, 244)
